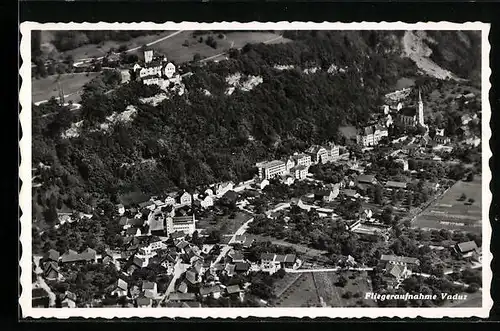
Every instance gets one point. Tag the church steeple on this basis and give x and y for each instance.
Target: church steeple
(420, 109)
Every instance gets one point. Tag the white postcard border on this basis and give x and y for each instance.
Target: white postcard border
(25, 195)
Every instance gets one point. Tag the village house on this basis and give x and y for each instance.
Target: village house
(403, 163)
(366, 179)
(466, 250)
(399, 260)
(235, 291)
(183, 198)
(89, 255)
(39, 298)
(395, 185)
(205, 201)
(150, 289)
(213, 291)
(120, 289)
(222, 188)
(261, 184)
(350, 194)
(143, 302)
(299, 172)
(170, 198)
(289, 164)
(441, 139)
(302, 160)
(69, 300)
(318, 154)
(52, 255)
(51, 270)
(149, 205)
(371, 135)
(268, 263)
(287, 180)
(324, 195)
(334, 151)
(120, 209)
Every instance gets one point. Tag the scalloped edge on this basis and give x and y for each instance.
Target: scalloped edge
(25, 195)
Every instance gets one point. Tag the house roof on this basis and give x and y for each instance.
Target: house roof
(395, 270)
(241, 266)
(290, 258)
(70, 295)
(280, 258)
(231, 195)
(323, 193)
(175, 296)
(233, 289)
(121, 284)
(267, 256)
(314, 149)
(135, 222)
(131, 231)
(143, 301)
(467, 246)
(53, 255)
(366, 178)
(182, 287)
(235, 256)
(211, 289)
(191, 277)
(300, 167)
(391, 183)
(408, 111)
(39, 293)
(300, 156)
(146, 285)
(402, 259)
(349, 192)
(145, 204)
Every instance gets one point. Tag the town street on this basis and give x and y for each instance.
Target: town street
(179, 269)
(296, 271)
(241, 230)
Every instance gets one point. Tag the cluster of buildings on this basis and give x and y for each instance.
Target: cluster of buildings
(296, 166)
(372, 134)
(158, 71)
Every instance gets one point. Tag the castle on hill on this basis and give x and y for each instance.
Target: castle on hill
(156, 70)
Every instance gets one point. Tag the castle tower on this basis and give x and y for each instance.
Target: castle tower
(420, 110)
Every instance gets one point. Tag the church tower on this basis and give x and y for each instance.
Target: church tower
(420, 110)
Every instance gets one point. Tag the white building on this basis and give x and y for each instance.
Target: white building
(269, 170)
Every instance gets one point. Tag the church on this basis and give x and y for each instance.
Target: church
(410, 116)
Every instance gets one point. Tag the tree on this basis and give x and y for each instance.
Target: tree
(378, 195)
(342, 281)
(462, 197)
(196, 57)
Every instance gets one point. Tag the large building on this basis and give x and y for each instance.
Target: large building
(371, 135)
(410, 116)
(184, 224)
(156, 70)
(318, 154)
(302, 159)
(269, 170)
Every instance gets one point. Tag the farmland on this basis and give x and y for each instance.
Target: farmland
(450, 213)
(183, 46)
(313, 289)
(224, 224)
(46, 88)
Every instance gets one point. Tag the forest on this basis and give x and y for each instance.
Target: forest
(198, 139)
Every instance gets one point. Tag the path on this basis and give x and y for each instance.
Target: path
(241, 230)
(296, 271)
(239, 48)
(82, 61)
(179, 269)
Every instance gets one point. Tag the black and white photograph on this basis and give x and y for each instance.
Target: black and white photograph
(260, 167)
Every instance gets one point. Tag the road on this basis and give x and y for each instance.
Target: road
(296, 271)
(224, 53)
(179, 269)
(241, 230)
(82, 61)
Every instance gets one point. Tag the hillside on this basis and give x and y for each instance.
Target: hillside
(266, 100)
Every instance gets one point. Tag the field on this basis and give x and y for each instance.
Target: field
(449, 213)
(46, 88)
(320, 289)
(302, 293)
(225, 225)
(92, 50)
(174, 49)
